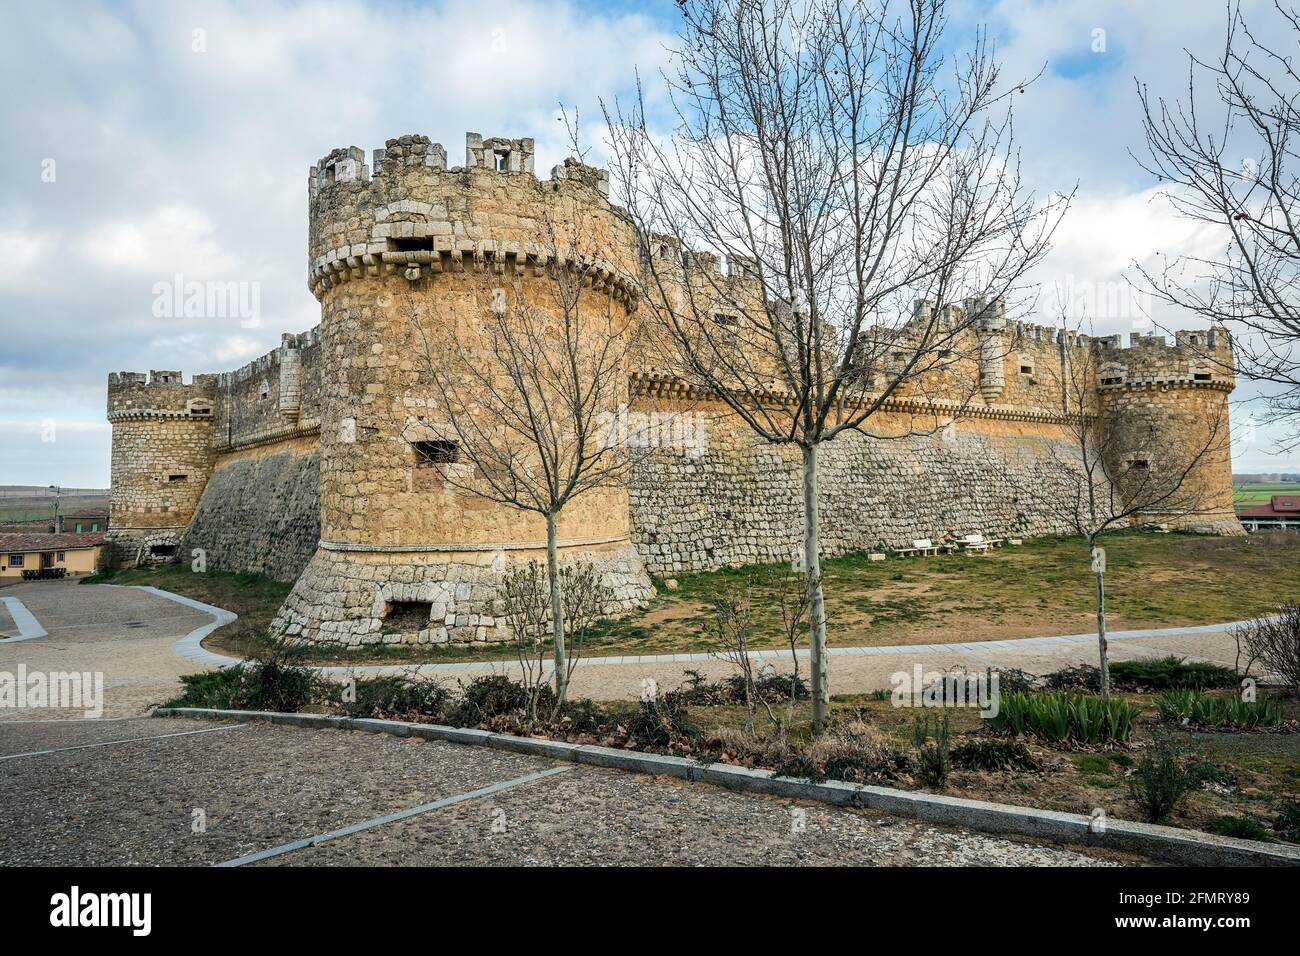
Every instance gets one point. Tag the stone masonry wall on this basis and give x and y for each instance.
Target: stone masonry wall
(739, 502)
(260, 511)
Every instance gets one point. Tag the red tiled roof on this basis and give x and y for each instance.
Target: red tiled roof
(1279, 506)
(14, 543)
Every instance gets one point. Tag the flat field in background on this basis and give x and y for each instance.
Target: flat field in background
(1248, 494)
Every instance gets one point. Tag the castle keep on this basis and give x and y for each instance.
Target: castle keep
(310, 464)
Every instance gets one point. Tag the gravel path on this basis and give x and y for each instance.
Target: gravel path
(260, 785)
(125, 634)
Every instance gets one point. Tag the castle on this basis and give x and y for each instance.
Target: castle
(305, 464)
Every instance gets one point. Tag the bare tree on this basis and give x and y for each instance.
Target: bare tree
(1231, 163)
(527, 390)
(846, 168)
(1121, 466)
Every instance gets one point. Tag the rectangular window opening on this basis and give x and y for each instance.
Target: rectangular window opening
(407, 615)
(436, 452)
(178, 477)
(162, 550)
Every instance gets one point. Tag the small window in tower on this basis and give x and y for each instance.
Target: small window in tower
(1139, 464)
(178, 477)
(729, 321)
(502, 157)
(163, 550)
(263, 390)
(1194, 340)
(200, 408)
(1201, 376)
(437, 452)
(1114, 380)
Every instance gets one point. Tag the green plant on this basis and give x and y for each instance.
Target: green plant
(1288, 819)
(1171, 673)
(495, 695)
(1217, 710)
(660, 721)
(993, 755)
(583, 715)
(395, 695)
(1064, 716)
(1241, 827)
(933, 756)
(275, 682)
(1162, 778)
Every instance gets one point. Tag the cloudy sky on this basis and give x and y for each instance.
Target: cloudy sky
(150, 141)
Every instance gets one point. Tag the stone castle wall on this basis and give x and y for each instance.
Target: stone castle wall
(737, 500)
(304, 464)
(260, 511)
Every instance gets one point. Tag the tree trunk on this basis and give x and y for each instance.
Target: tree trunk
(821, 697)
(1098, 573)
(557, 613)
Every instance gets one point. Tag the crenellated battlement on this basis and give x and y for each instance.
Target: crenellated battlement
(416, 217)
(1197, 358)
(160, 394)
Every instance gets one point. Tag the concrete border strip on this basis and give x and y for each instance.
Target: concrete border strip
(126, 740)
(28, 626)
(1167, 844)
(391, 818)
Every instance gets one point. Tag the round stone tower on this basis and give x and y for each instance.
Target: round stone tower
(1179, 395)
(404, 557)
(161, 459)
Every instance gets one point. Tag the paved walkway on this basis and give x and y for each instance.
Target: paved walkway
(144, 639)
(126, 634)
(186, 792)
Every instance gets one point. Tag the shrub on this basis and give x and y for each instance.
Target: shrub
(583, 715)
(1170, 673)
(1242, 827)
(1082, 677)
(661, 721)
(993, 755)
(1163, 778)
(1012, 680)
(397, 696)
(1275, 643)
(1288, 819)
(254, 685)
(495, 695)
(1061, 716)
(854, 752)
(1218, 710)
(933, 757)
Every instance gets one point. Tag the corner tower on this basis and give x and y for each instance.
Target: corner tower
(1179, 392)
(161, 459)
(404, 557)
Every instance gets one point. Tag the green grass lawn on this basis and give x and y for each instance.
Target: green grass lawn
(1043, 587)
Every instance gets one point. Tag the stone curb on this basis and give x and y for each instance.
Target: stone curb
(1166, 844)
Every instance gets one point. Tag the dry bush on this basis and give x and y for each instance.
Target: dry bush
(1274, 643)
